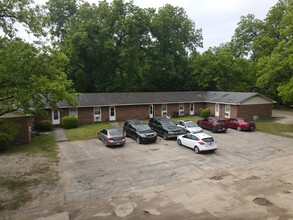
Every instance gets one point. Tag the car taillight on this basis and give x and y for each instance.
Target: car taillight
(110, 139)
(123, 138)
(201, 143)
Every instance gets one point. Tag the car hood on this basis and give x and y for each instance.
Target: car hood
(146, 132)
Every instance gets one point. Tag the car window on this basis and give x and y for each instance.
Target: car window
(187, 136)
(208, 139)
(142, 127)
(115, 133)
(220, 122)
(194, 138)
(103, 131)
(190, 124)
(181, 123)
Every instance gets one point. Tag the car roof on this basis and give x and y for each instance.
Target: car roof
(113, 129)
(135, 121)
(186, 120)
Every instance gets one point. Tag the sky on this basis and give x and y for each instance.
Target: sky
(217, 18)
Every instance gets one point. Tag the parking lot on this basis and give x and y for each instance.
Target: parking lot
(250, 175)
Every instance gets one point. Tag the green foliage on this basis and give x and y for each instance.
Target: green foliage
(69, 122)
(32, 78)
(8, 132)
(44, 125)
(204, 112)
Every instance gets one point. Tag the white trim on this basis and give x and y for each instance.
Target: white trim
(56, 117)
(71, 110)
(164, 112)
(181, 110)
(217, 109)
(191, 110)
(227, 111)
(97, 117)
(112, 114)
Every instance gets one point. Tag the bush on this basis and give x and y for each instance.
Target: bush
(69, 122)
(44, 125)
(204, 112)
(8, 132)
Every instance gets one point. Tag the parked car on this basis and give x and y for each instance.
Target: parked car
(240, 124)
(112, 137)
(214, 124)
(165, 127)
(141, 132)
(189, 126)
(198, 142)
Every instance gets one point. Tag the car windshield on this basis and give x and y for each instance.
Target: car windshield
(191, 124)
(115, 133)
(220, 122)
(143, 127)
(245, 120)
(208, 140)
(168, 124)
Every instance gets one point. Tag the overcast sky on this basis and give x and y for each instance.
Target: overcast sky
(217, 18)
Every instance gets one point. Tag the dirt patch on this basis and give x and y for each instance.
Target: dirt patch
(262, 201)
(283, 117)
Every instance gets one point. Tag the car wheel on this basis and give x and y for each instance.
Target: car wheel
(179, 142)
(165, 137)
(196, 150)
(138, 140)
(213, 129)
(238, 128)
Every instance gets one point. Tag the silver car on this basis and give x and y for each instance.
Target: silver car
(112, 137)
(189, 126)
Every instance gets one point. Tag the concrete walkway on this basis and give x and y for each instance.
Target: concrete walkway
(59, 135)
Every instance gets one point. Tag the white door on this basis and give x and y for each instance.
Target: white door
(217, 110)
(56, 117)
(112, 113)
(191, 109)
(151, 111)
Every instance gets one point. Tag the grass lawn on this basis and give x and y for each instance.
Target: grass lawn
(86, 132)
(272, 127)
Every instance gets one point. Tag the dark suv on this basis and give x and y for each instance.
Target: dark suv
(165, 127)
(141, 132)
(213, 123)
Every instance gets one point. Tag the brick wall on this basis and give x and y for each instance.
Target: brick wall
(263, 111)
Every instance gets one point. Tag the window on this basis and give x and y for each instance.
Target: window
(227, 111)
(181, 109)
(97, 114)
(164, 110)
(73, 112)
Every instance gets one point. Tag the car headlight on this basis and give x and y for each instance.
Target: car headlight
(171, 132)
(142, 135)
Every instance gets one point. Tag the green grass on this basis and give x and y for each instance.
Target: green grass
(43, 144)
(272, 127)
(86, 132)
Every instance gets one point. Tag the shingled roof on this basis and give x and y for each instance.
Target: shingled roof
(144, 98)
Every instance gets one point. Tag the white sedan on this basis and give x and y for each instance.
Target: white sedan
(198, 142)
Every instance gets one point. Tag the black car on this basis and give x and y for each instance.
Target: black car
(165, 127)
(141, 132)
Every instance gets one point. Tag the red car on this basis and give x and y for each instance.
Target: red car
(213, 123)
(240, 124)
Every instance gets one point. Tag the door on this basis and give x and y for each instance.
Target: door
(217, 110)
(56, 117)
(151, 111)
(191, 109)
(112, 113)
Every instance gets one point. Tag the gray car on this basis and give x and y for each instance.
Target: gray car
(189, 126)
(112, 137)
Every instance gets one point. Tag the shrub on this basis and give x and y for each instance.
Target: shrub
(204, 112)
(69, 122)
(8, 132)
(44, 125)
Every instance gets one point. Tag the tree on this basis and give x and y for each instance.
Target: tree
(20, 11)
(173, 37)
(31, 79)
(275, 65)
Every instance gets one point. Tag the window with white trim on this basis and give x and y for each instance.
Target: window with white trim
(181, 109)
(227, 111)
(73, 112)
(164, 110)
(97, 114)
